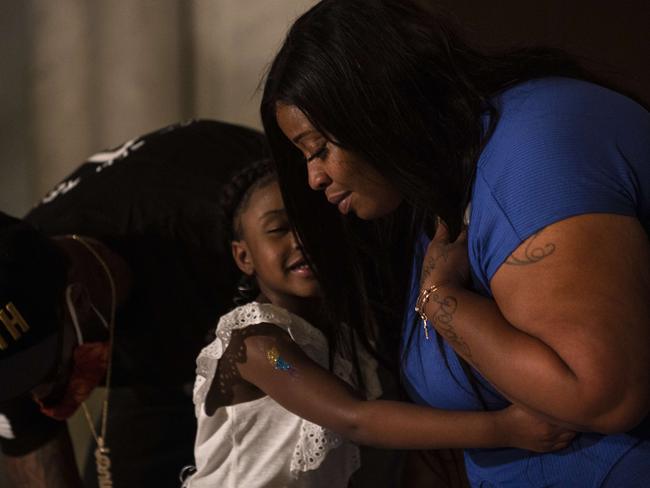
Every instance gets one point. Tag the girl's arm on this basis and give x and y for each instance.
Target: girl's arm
(276, 365)
(568, 334)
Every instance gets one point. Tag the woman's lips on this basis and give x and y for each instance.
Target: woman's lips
(344, 205)
(341, 200)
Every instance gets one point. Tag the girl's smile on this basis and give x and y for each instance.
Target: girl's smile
(301, 268)
(269, 250)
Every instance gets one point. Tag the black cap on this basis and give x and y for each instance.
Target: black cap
(32, 279)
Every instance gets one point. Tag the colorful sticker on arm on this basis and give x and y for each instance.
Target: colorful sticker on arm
(278, 362)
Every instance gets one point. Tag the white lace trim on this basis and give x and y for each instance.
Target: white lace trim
(312, 448)
(240, 318)
(314, 442)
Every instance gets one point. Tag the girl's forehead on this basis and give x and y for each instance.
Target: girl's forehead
(264, 199)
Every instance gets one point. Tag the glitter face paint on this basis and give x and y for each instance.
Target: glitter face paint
(278, 362)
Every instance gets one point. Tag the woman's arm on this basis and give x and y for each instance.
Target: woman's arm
(275, 364)
(568, 334)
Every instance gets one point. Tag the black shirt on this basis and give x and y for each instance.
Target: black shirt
(154, 201)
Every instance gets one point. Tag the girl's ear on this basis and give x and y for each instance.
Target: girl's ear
(242, 257)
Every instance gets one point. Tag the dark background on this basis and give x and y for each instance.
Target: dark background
(613, 38)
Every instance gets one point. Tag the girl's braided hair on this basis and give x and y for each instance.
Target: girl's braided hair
(233, 202)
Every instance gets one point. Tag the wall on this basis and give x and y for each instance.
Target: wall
(78, 77)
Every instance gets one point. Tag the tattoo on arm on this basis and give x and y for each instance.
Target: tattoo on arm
(444, 319)
(430, 264)
(278, 362)
(533, 252)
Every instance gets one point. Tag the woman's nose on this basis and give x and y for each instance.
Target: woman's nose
(317, 177)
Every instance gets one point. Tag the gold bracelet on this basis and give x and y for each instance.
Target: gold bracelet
(420, 305)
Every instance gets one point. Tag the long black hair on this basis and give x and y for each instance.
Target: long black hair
(395, 84)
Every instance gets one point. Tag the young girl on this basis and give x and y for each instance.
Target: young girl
(270, 412)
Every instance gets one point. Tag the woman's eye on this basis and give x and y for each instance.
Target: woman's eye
(277, 230)
(320, 153)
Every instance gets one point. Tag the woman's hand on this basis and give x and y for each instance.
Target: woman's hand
(526, 430)
(567, 331)
(445, 262)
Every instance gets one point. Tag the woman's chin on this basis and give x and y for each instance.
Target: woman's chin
(373, 213)
(367, 209)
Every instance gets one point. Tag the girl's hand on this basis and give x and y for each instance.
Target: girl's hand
(445, 262)
(526, 430)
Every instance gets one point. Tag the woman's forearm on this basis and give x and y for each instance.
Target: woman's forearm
(521, 366)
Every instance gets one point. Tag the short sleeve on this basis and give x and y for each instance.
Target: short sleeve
(310, 339)
(561, 148)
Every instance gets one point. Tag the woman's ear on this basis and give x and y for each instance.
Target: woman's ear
(242, 257)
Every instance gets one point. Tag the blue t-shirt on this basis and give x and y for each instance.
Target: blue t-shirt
(561, 148)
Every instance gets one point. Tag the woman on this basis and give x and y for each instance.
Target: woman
(546, 294)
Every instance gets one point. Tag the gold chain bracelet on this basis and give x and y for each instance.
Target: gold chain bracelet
(420, 305)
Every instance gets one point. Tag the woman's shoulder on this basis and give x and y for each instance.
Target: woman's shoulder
(565, 104)
(564, 123)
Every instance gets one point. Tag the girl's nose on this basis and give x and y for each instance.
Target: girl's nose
(317, 177)
(295, 243)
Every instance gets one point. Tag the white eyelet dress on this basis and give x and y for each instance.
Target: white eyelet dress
(260, 443)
